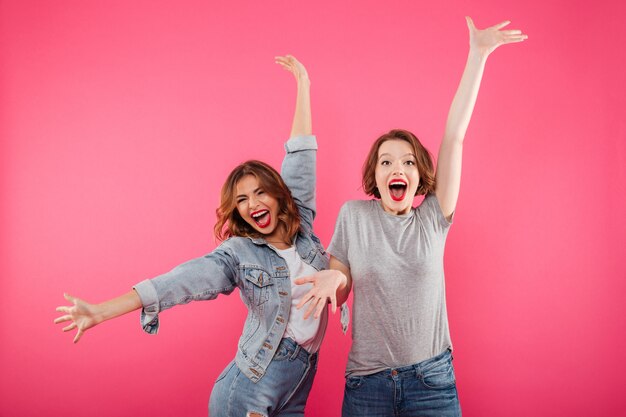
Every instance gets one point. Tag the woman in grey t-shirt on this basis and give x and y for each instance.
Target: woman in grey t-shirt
(391, 254)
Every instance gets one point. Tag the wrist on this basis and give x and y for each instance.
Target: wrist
(303, 80)
(478, 54)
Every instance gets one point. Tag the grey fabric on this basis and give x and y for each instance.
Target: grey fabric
(399, 311)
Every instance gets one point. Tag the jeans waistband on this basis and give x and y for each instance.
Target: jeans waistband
(420, 367)
(297, 351)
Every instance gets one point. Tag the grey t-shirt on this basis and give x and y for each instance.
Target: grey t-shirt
(399, 311)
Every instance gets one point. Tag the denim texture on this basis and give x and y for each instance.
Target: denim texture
(427, 388)
(253, 266)
(283, 391)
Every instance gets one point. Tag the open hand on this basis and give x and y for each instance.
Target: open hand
(325, 285)
(485, 41)
(82, 315)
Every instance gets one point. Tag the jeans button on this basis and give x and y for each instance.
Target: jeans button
(394, 373)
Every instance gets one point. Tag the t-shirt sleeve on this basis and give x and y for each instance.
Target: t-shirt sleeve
(339, 243)
(430, 212)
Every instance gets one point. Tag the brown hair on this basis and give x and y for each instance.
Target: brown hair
(230, 223)
(423, 157)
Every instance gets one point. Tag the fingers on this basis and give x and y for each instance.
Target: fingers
(62, 319)
(333, 304)
(320, 307)
(304, 280)
(70, 327)
(79, 334)
(514, 39)
(470, 23)
(312, 308)
(307, 297)
(63, 309)
(500, 25)
(70, 298)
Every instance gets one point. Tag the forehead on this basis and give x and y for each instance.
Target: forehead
(247, 184)
(395, 147)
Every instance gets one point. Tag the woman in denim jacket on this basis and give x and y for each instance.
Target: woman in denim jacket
(269, 242)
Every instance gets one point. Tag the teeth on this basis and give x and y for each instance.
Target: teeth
(397, 183)
(259, 214)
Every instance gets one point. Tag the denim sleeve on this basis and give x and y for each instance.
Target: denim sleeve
(298, 172)
(199, 279)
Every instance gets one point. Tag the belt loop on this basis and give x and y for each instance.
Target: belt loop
(294, 355)
(416, 368)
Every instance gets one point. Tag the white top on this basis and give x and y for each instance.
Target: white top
(301, 330)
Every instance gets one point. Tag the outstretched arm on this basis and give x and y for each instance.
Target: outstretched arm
(302, 117)
(482, 43)
(84, 316)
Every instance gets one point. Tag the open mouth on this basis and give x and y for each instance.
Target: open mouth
(262, 218)
(397, 189)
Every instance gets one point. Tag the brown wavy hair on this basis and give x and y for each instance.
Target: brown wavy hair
(230, 223)
(424, 163)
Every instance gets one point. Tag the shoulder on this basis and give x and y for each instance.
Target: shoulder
(430, 203)
(358, 205)
(234, 245)
(430, 209)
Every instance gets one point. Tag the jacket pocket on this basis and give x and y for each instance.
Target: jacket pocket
(256, 284)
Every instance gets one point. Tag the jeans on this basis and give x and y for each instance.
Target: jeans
(282, 391)
(427, 388)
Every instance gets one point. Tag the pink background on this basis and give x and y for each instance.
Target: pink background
(120, 120)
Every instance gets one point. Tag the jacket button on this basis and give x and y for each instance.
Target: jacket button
(267, 345)
(280, 268)
(254, 371)
(283, 293)
(280, 319)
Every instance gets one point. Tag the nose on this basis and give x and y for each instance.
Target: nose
(253, 202)
(398, 168)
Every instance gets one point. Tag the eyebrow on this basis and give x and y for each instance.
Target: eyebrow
(388, 154)
(244, 195)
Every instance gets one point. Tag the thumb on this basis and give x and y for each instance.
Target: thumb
(304, 280)
(470, 23)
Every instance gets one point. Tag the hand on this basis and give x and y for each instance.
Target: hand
(82, 315)
(485, 41)
(325, 286)
(291, 64)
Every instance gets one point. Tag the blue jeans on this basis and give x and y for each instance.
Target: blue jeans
(427, 388)
(282, 391)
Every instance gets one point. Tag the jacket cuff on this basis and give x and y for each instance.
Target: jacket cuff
(301, 143)
(150, 301)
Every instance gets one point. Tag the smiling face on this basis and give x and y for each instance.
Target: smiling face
(397, 176)
(258, 208)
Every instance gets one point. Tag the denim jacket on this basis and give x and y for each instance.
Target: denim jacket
(252, 265)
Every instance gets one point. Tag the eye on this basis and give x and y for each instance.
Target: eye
(260, 192)
(385, 163)
(409, 162)
(240, 200)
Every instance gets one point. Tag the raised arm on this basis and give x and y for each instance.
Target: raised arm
(482, 43)
(298, 168)
(302, 124)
